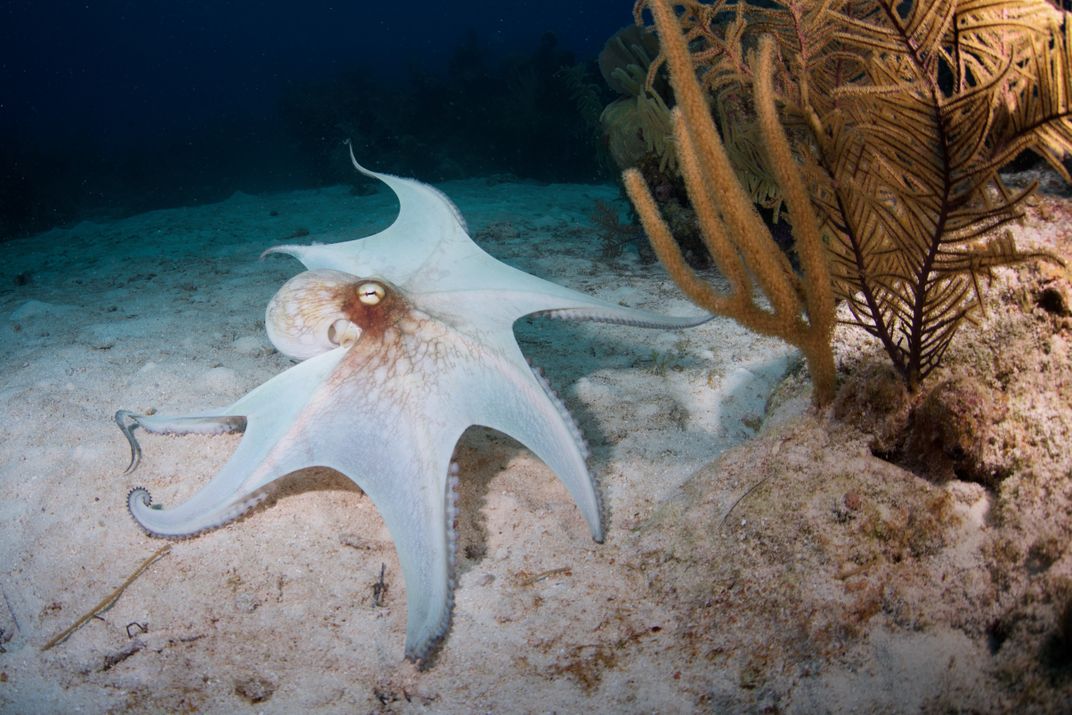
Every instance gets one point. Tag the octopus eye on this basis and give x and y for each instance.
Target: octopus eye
(370, 293)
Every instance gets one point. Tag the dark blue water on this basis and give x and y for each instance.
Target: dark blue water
(112, 107)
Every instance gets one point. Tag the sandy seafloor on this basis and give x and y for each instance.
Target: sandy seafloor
(682, 609)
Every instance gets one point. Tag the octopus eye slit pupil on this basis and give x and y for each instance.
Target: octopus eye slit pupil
(370, 293)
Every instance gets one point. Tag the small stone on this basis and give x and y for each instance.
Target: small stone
(99, 337)
(951, 428)
(853, 501)
(254, 689)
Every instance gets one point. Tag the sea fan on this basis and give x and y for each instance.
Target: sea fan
(900, 115)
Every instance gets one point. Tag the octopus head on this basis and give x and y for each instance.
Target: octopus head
(321, 310)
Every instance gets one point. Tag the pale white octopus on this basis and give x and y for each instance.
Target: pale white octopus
(406, 339)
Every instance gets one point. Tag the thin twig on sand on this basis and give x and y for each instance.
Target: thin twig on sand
(108, 600)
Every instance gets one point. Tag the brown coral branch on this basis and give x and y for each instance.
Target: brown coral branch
(801, 312)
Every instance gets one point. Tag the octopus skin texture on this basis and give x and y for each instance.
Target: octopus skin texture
(405, 340)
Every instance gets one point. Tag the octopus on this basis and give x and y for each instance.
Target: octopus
(404, 339)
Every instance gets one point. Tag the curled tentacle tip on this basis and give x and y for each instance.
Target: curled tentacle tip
(127, 422)
(138, 494)
(135, 460)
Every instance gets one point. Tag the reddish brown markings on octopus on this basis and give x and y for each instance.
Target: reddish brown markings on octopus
(373, 318)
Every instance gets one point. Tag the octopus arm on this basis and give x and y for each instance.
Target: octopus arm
(393, 439)
(428, 252)
(395, 435)
(266, 416)
(509, 396)
(400, 457)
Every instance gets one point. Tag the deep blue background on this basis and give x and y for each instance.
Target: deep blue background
(110, 79)
(127, 70)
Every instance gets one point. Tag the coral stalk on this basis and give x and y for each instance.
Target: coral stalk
(801, 312)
